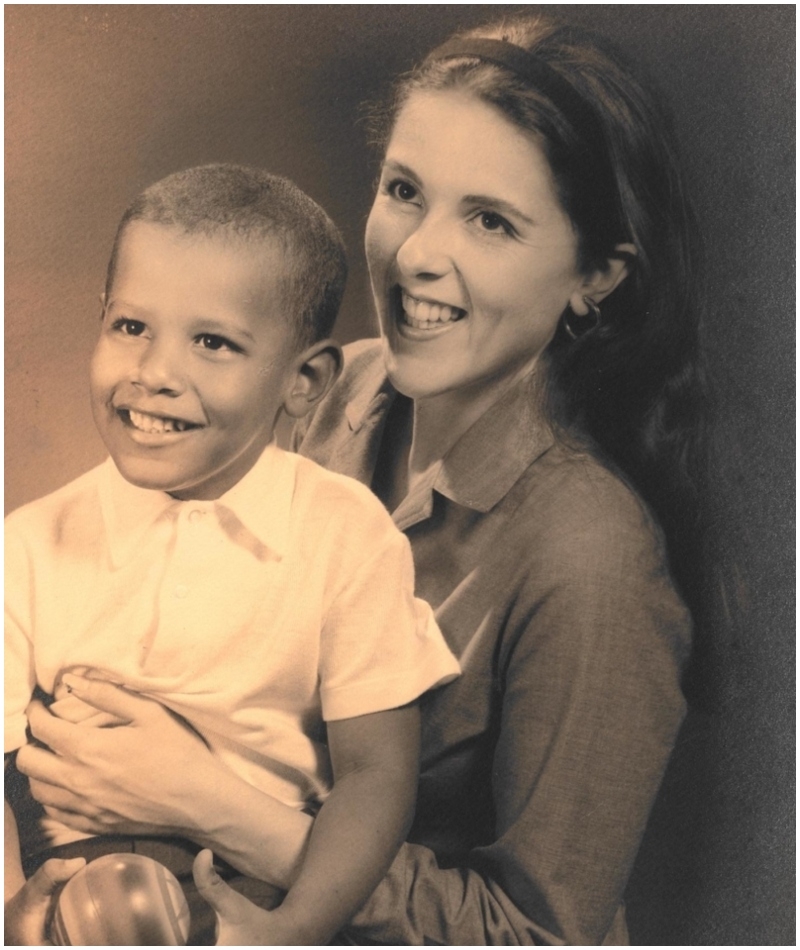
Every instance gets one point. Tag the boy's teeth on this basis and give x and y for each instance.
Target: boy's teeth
(424, 316)
(147, 423)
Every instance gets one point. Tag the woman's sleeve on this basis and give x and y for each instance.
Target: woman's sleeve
(590, 708)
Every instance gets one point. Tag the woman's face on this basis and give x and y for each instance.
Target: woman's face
(472, 258)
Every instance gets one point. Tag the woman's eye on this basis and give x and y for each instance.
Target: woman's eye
(402, 190)
(129, 327)
(490, 221)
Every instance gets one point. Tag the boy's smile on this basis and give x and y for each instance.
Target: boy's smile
(194, 358)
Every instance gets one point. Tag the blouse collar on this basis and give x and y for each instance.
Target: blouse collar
(484, 464)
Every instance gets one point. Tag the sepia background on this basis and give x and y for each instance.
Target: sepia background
(103, 100)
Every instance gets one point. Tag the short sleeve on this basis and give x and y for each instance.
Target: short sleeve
(381, 647)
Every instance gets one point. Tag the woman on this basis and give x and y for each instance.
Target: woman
(530, 414)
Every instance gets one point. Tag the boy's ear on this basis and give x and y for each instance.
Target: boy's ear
(317, 369)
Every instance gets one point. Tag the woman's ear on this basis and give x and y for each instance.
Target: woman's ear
(601, 283)
(316, 369)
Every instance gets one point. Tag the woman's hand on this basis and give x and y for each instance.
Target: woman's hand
(28, 912)
(239, 922)
(153, 775)
(134, 778)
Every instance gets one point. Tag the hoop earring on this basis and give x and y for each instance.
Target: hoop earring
(590, 322)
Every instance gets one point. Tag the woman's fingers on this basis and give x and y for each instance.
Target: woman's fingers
(59, 735)
(74, 710)
(86, 824)
(43, 765)
(109, 697)
(64, 799)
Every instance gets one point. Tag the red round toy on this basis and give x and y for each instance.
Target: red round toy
(121, 900)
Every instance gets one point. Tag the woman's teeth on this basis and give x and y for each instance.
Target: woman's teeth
(426, 316)
(156, 424)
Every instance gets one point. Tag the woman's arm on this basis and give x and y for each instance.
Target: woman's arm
(177, 787)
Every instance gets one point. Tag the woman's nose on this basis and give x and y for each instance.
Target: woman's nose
(160, 369)
(425, 252)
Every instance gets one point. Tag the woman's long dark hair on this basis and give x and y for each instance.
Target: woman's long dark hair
(634, 387)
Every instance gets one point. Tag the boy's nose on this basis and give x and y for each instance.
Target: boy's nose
(425, 253)
(159, 370)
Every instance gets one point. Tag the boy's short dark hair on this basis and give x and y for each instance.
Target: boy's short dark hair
(252, 204)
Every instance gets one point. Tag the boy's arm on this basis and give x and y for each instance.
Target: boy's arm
(355, 837)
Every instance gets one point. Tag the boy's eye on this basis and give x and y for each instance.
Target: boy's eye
(129, 327)
(214, 342)
(402, 190)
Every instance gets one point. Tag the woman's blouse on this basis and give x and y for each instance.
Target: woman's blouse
(540, 764)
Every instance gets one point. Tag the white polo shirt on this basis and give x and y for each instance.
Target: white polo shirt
(287, 602)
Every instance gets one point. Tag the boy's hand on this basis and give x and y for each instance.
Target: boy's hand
(28, 912)
(239, 922)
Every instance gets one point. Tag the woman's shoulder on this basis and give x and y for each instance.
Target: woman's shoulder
(585, 508)
(596, 551)
(362, 370)
(362, 380)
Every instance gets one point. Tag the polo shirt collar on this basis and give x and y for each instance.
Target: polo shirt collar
(129, 512)
(261, 502)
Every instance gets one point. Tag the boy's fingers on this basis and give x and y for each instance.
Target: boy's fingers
(205, 877)
(51, 874)
(213, 889)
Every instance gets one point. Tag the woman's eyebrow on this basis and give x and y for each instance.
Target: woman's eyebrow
(402, 169)
(498, 204)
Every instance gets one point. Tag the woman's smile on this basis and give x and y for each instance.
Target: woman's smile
(425, 315)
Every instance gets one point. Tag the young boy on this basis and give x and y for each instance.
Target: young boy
(246, 589)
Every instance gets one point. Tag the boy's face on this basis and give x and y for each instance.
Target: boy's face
(194, 360)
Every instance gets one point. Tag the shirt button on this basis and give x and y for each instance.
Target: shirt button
(181, 590)
(195, 515)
